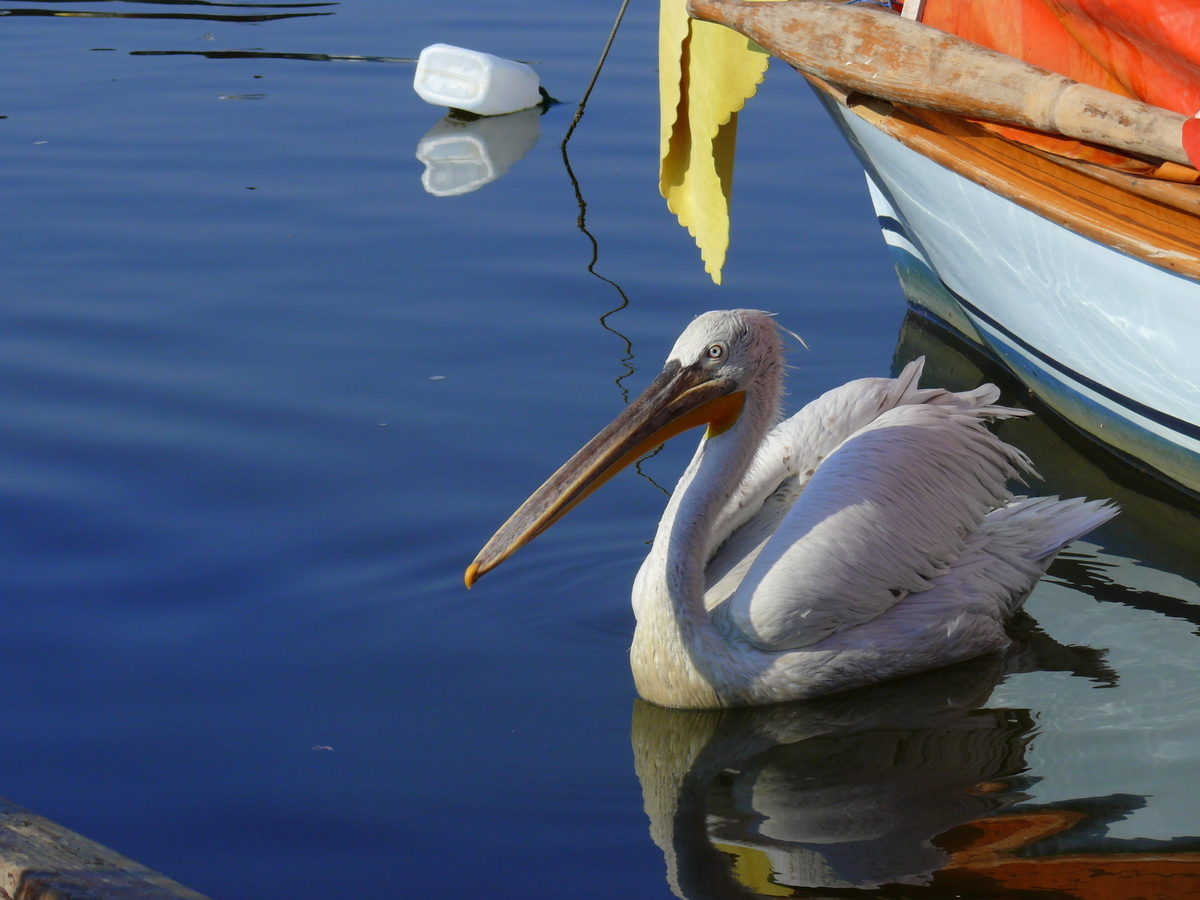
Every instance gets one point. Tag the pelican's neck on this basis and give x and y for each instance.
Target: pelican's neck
(675, 644)
(686, 531)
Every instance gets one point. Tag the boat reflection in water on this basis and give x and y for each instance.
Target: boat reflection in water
(463, 152)
(940, 785)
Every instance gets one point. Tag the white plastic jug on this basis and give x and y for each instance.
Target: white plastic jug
(477, 82)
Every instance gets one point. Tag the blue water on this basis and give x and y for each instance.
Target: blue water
(262, 397)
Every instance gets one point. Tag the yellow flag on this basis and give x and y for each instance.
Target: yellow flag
(706, 74)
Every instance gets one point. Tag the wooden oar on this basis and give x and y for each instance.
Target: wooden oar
(879, 53)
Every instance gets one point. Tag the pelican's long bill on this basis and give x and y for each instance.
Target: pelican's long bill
(678, 399)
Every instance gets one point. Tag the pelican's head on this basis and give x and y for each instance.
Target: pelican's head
(739, 346)
(720, 358)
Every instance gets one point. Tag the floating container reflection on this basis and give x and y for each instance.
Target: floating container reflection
(463, 152)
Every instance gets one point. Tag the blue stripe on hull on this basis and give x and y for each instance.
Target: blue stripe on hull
(1062, 388)
(1179, 426)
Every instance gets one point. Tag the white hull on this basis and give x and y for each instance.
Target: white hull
(1109, 341)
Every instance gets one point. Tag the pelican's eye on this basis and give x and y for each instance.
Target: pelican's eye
(715, 351)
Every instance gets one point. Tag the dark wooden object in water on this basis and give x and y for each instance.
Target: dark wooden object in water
(41, 860)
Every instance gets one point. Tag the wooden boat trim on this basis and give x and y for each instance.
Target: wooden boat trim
(1184, 197)
(1149, 223)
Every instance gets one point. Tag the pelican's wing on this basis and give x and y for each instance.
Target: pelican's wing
(791, 453)
(886, 513)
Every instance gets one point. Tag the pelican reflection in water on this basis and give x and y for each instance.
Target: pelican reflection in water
(869, 536)
(890, 784)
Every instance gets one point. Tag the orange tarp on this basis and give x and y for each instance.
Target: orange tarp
(1146, 49)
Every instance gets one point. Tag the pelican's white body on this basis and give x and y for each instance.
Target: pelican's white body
(869, 536)
(477, 82)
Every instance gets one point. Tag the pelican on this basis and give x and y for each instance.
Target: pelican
(869, 536)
